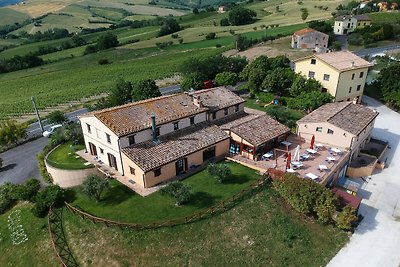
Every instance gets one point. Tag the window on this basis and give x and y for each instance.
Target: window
(324, 90)
(352, 76)
(350, 89)
(361, 74)
(98, 132)
(311, 74)
(214, 115)
(237, 108)
(131, 170)
(191, 120)
(208, 153)
(326, 77)
(319, 129)
(108, 137)
(176, 125)
(359, 87)
(330, 131)
(313, 61)
(101, 150)
(131, 139)
(225, 111)
(88, 128)
(157, 131)
(157, 172)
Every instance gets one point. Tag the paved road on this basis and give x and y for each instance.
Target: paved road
(376, 241)
(20, 163)
(376, 50)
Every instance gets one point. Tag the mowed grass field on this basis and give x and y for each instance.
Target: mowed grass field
(260, 231)
(36, 251)
(382, 17)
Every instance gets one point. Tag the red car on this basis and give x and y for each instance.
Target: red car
(208, 84)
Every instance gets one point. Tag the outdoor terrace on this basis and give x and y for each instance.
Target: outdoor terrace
(314, 166)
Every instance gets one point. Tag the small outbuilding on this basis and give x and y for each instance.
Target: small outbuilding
(310, 39)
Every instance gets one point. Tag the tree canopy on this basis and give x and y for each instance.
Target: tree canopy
(145, 89)
(169, 26)
(12, 132)
(226, 78)
(179, 191)
(389, 82)
(93, 186)
(56, 117)
(241, 16)
(106, 41)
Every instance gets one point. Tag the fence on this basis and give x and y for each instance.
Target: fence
(220, 207)
(58, 240)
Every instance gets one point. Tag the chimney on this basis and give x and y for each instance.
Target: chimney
(352, 64)
(153, 127)
(197, 101)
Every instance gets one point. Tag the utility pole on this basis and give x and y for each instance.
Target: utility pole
(37, 114)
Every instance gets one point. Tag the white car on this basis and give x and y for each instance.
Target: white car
(50, 131)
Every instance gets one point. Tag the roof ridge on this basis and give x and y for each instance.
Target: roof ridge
(345, 106)
(97, 112)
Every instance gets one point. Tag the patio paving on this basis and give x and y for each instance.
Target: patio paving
(111, 172)
(310, 167)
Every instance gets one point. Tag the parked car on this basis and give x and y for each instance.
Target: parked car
(50, 131)
(208, 84)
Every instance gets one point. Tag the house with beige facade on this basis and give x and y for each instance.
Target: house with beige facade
(309, 39)
(155, 140)
(342, 74)
(363, 21)
(344, 125)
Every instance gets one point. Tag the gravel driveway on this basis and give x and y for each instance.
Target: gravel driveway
(376, 242)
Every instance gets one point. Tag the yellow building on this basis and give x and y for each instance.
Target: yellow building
(362, 21)
(342, 74)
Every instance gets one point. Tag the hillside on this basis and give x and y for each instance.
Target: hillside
(69, 75)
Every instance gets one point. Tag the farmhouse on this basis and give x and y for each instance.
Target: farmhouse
(155, 140)
(362, 21)
(310, 39)
(348, 23)
(343, 124)
(342, 74)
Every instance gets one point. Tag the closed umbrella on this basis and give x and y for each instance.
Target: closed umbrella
(296, 156)
(312, 142)
(288, 160)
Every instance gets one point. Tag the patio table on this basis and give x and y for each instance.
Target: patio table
(336, 150)
(311, 151)
(297, 164)
(286, 143)
(290, 171)
(305, 156)
(330, 159)
(318, 145)
(312, 176)
(268, 155)
(322, 167)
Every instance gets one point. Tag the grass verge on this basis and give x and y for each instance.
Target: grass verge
(122, 204)
(64, 157)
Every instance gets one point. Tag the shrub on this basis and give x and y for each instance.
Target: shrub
(103, 61)
(226, 78)
(224, 22)
(179, 191)
(346, 218)
(51, 195)
(174, 35)
(180, 40)
(1, 163)
(56, 117)
(94, 185)
(306, 196)
(211, 35)
(7, 196)
(221, 171)
(42, 167)
(218, 45)
(29, 190)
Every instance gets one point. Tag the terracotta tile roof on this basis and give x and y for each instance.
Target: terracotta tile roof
(134, 117)
(259, 130)
(350, 117)
(149, 155)
(229, 122)
(218, 98)
(362, 17)
(305, 31)
(343, 60)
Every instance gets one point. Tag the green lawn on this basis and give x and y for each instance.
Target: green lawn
(36, 251)
(122, 204)
(259, 231)
(385, 17)
(64, 157)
